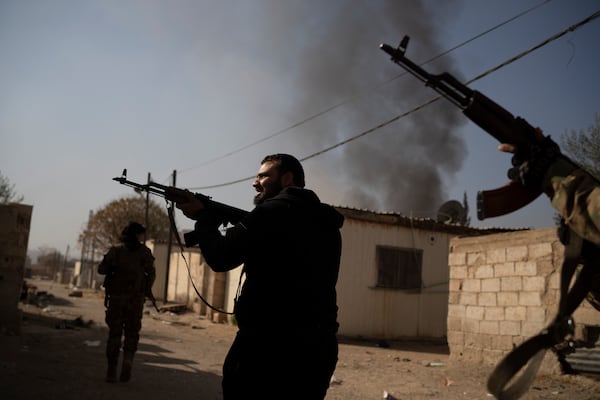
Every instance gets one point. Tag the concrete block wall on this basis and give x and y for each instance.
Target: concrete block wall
(15, 222)
(504, 288)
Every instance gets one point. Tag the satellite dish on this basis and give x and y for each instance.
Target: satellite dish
(451, 212)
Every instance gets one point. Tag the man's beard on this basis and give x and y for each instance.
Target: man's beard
(267, 193)
(258, 198)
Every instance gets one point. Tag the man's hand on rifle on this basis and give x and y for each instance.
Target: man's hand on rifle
(531, 163)
(185, 200)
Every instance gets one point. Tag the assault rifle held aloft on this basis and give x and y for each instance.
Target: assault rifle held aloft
(489, 116)
(225, 214)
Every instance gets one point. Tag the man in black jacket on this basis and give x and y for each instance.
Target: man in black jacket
(290, 248)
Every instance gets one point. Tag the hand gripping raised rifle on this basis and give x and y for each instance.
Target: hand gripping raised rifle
(489, 116)
(505, 382)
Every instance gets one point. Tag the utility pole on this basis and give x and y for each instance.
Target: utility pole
(92, 262)
(147, 206)
(64, 266)
(169, 245)
(84, 247)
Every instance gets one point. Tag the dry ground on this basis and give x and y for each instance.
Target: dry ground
(180, 358)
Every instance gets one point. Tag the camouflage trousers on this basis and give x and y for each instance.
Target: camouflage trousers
(124, 318)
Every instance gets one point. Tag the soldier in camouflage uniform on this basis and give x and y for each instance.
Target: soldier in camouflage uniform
(573, 192)
(130, 273)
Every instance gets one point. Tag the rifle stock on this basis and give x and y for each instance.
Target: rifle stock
(225, 213)
(489, 116)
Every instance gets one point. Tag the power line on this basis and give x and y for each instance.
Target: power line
(482, 75)
(354, 98)
(428, 102)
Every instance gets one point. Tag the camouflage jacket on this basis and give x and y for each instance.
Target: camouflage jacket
(576, 197)
(128, 270)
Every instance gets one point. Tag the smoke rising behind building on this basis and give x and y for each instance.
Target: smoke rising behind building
(333, 55)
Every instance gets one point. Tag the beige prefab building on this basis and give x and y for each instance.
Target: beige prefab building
(394, 275)
(185, 276)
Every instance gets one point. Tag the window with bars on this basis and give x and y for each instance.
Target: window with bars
(399, 268)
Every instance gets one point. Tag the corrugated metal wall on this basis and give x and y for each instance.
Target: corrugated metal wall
(367, 311)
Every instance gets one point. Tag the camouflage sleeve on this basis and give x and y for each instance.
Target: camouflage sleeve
(108, 262)
(577, 199)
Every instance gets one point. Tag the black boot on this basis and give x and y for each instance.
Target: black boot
(126, 367)
(111, 371)
(112, 356)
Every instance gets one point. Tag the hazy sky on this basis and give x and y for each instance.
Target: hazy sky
(207, 88)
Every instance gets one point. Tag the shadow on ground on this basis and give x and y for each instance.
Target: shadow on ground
(58, 359)
(423, 346)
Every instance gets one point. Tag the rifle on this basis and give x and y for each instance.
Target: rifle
(225, 213)
(151, 297)
(489, 116)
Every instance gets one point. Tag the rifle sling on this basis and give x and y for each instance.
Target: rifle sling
(180, 244)
(530, 353)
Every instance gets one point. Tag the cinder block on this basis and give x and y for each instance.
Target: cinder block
(453, 297)
(456, 310)
(487, 299)
(490, 285)
(508, 298)
(484, 271)
(470, 326)
(530, 299)
(468, 299)
(526, 268)
(511, 284)
(471, 285)
(512, 328)
(504, 269)
(457, 258)
(495, 256)
(458, 272)
(536, 314)
(454, 285)
(518, 313)
(494, 314)
(454, 324)
(504, 342)
(477, 258)
(534, 283)
(517, 253)
(455, 338)
(489, 327)
(474, 312)
(539, 250)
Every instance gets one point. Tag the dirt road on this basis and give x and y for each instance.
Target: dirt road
(58, 356)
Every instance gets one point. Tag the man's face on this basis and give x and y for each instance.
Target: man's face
(268, 182)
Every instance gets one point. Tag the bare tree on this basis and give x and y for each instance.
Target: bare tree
(7, 192)
(105, 225)
(583, 146)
